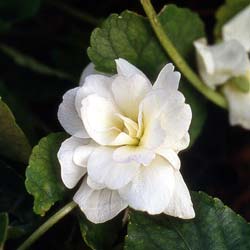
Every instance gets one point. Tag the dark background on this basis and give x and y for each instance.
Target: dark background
(219, 161)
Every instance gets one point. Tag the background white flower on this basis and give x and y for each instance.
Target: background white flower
(220, 62)
(227, 63)
(238, 28)
(125, 140)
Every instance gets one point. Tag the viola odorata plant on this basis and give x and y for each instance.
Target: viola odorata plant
(125, 138)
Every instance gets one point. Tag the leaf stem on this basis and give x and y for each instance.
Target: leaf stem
(47, 225)
(191, 76)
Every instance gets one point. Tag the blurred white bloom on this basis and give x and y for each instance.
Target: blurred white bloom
(125, 140)
(239, 106)
(220, 62)
(227, 64)
(238, 28)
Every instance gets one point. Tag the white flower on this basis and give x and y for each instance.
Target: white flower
(239, 106)
(221, 64)
(238, 28)
(125, 140)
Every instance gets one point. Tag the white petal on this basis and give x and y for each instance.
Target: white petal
(70, 172)
(183, 143)
(99, 118)
(167, 78)
(180, 204)
(68, 116)
(128, 93)
(239, 106)
(174, 115)
(238, 28)
(82, 153)
(104, 170)
(220, 62)
(93, 84)
(171, 156)
(124, 68)
(152, 188)
(94, 185)
(138, 154)
(99, 205)
(130, 125)
(89, 70)
(153, 134)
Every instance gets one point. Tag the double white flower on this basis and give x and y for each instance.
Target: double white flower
(125, 139)
(228, 64)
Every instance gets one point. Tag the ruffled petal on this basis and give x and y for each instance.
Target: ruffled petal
(172, 114)
(98, 115)
(238, 28)
(82, 153)
(94, 185)
(220, 62)
(104, 170)
(128, 93)
(171, 156)
(124, 68)
(167, 78)
(180, 204)
(68, 116)
(93, 84)
(70, 172)
(152, 188)
(138, 154)
(88, 70)
(239, 106)
(99, 205)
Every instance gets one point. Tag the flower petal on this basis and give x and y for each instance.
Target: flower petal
(88, 70)
(238, 28)
(93, 84)
(98, 115)
(129, 124)
(128, 93)
(183, 143)
(220, 62)
(99, 205)
(138, 154)
(151, 188)
(180, 204)
(124, 68)
(68, 116)
(167, 78)
(70, 172)
(171, 156)
(239, 106)
(82, 153)
(153, 134)
(94, 185)
(172, 113)
(104, 170)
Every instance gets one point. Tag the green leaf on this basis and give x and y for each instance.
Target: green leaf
(15, 10)
(13, 142)
(130, 36)
(214, 227)
(4, 221)
(32, 64)
(127, 36)
(100, 236)
(43, 179)
(226, 12)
